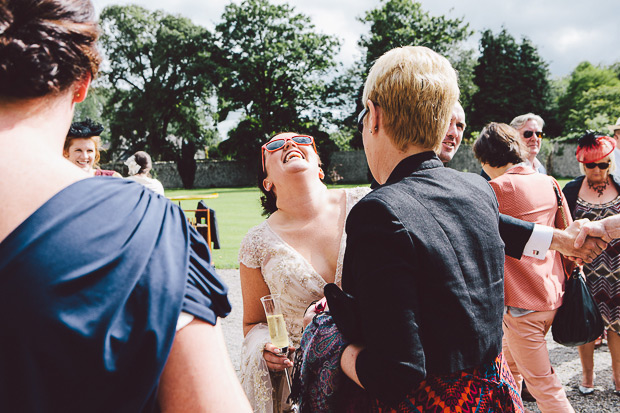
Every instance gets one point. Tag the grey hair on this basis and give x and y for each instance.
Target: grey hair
(519, 121)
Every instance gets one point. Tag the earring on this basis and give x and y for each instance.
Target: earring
(267, 185)
(77, 95)
(370, 131)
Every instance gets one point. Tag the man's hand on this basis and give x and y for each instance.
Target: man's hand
(565, 243)
(592, 229)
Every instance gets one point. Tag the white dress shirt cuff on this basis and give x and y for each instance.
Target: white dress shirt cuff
(539, 242)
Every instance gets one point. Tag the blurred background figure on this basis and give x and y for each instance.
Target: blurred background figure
(83, 145)
(615, 130)
(530, 128)
(595, 195)
(140, 165)
(533, 289)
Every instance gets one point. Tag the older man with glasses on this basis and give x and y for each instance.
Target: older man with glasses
(530, 127)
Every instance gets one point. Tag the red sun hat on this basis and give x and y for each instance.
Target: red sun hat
(594, 147)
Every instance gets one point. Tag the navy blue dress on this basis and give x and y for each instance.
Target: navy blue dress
(91, 287)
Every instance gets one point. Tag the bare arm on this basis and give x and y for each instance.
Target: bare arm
(348, 360)
(253, 287)
(198, 376)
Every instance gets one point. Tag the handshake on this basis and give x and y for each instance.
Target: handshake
(584, 240)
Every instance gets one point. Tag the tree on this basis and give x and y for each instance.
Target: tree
(160, 79)
(591, 99)
(396, 23)
(93, 107)
(272, 66)
(512, 80)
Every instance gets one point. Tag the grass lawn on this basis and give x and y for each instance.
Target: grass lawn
(237, 209)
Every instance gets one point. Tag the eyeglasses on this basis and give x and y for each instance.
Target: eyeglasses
(601, 165)
(360, 120)
(277, 144)
(528, 134)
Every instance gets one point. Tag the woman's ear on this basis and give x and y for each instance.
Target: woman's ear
(321, 173)
(267, 185)
(81, 90)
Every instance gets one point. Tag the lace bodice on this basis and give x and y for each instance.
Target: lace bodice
(288, 273)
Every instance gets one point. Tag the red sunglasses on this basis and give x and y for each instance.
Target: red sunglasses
(277, 144)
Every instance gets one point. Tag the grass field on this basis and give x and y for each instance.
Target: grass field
(237, 210)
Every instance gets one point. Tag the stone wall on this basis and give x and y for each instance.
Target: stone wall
(348, 168)
(209, 174)
(344, 168)
(558, 158)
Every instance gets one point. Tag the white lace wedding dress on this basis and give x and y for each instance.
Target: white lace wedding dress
(289, 274)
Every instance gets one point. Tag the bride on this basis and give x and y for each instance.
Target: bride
(294, 253)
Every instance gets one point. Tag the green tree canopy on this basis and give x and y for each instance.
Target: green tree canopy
(512, 80)
(591, 99)
(396, 23)
(273, 67)
(160, 79)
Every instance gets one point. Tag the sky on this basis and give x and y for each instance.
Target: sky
(566, 32)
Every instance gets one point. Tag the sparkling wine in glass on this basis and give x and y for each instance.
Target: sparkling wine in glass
(275, 322)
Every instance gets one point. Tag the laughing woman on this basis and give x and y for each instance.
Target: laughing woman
(294, 253)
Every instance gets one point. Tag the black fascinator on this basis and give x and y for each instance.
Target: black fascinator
(85, 129)
(588, 139)
(594, 147)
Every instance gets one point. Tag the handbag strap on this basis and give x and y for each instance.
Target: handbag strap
(558, 195)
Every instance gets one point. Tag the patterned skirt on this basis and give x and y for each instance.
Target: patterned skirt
(488, 388)
(319, 385)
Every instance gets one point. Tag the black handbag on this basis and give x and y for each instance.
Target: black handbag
(578, 321)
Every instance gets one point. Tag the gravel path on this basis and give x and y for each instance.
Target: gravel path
(565, 360)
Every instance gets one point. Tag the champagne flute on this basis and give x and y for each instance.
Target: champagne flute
(277, 326)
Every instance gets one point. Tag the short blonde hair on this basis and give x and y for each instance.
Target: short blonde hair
(416, 90)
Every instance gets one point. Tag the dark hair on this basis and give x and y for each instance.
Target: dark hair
(498, 145)
(46, 45)
(267, 198)
(144, 160)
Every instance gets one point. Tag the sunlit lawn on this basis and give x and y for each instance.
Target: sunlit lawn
(237, 210)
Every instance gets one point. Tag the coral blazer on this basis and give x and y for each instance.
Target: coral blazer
(531, 283)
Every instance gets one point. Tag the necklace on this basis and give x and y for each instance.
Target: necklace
(599, 188)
